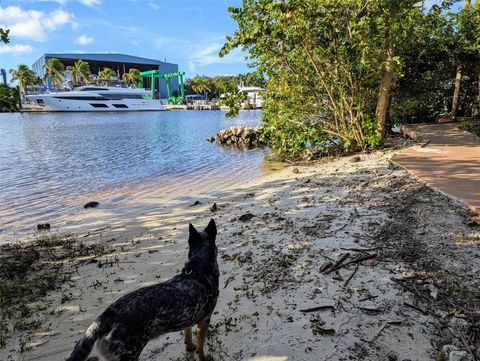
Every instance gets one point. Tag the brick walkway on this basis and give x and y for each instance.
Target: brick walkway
(450, 162)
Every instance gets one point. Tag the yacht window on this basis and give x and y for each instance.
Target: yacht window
(119, 96)
(80, 98)
(120, 105)
(91, 88)
(99, 105)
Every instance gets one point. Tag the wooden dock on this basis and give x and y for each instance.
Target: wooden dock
(203, 107)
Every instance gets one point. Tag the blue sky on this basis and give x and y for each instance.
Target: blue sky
(189, 33)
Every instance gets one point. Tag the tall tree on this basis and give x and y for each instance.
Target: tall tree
(80, 72)
(460, 61)
(55, 71)
(132, 78)
(24, 76)
(394, 19)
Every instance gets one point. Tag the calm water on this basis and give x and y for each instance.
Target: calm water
(51, 163)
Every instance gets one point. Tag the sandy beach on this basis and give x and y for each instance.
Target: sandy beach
(406, 287)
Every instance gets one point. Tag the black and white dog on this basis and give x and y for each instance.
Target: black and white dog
(188, 299)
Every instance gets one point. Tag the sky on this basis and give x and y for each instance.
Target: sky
(189, 33)
(186, 32)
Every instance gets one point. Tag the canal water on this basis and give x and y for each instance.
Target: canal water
(53, 163)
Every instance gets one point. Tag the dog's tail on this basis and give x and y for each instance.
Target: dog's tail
(84, 346)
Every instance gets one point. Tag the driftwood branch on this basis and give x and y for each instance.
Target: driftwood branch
(319, 308)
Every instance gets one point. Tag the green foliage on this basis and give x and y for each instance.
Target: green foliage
(80, 72)
(223, 84)
(105, 75)
(4, 38)
(430, 54)
(54, 70)
(323, 60)
(9, 99)
(200, 84)
(132, 78)
(24, 76)
(469, 126)
(328, 64)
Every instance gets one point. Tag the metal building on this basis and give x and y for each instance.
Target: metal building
(120, 63)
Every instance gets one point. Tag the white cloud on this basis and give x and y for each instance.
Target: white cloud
(91, 3)
(153, 5)
(202, 55)
(84, 40)
(32, 24)
(16, 49)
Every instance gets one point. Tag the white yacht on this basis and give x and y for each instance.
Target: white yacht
(98, 98)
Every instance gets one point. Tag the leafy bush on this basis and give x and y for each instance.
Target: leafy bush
(472, 127)
(9, 99)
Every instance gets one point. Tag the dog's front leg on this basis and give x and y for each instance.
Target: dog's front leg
(188, 339)
(202, 328)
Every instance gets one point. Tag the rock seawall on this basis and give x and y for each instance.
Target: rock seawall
(240, 137)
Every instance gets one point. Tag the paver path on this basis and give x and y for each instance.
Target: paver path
(450, 162)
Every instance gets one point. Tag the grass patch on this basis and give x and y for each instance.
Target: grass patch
(28, 271)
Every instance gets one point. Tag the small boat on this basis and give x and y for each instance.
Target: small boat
(98, 98)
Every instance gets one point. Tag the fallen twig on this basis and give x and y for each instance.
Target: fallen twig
(338, 263)
(425, 144)
(421, 310)
(467, 346)
(408, 288)
(353, 261)
(319, 308)
(383, 327)
(360, 249)
(351, 275)
(227, 281)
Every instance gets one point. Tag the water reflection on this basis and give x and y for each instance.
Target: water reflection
(50, 163)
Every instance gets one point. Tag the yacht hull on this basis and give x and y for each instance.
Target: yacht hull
(64, 104)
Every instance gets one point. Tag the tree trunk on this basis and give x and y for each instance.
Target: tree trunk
(478, 95)
(458, 76)
(384, 91)
(456, 92)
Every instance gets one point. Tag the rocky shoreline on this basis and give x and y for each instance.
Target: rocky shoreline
(240, 137)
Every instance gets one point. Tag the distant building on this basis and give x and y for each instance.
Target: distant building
(3, 74)
(254, 95)
(120, 63)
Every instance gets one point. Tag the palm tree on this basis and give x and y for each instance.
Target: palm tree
(54, 70)
(132, 77)
(24, 76)
(200, 84)
(106, 74)
(80, 72)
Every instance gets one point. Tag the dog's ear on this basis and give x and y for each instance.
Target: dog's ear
(211, 230)
(193, 235)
